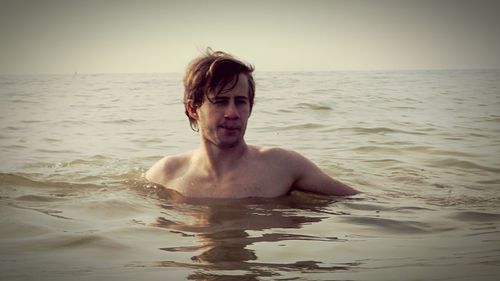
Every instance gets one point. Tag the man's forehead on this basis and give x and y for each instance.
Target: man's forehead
(228, 95)
(240, 89)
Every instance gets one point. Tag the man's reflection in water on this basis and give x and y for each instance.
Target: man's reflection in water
(225, 228)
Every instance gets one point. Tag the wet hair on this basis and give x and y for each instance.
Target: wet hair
(211, 73)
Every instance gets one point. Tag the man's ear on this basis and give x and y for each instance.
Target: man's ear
(192, 110)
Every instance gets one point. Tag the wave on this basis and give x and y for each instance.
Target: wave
(314, 107)
(13, 128)
(39, 198)
(378, 207)
(18, 180)
(23, 101)
(93, 160)
(397, 227)
(305, 126)
(52, 140)
(123, 121)
(377, 130)
(474, 216)
(374, 148)
(434, 151)
(62, 151)
(492, 181)
(15, 147)
(85, 241)
(461, 164)
(204, 269)
(462, 201)
(103, 89)
(308, 126)
(398, 149)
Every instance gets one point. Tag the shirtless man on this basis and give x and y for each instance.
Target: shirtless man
(218, 97)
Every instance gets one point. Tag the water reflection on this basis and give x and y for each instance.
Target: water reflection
(226, 231)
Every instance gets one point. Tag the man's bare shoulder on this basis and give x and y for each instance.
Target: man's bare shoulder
(286, 158)
(277, 153)
(168, 167)
(306, 175)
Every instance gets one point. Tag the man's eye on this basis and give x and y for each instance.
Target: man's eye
(241, 102)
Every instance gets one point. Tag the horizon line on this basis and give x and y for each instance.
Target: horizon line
(256, 71)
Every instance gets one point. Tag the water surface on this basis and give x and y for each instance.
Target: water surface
(423, 146)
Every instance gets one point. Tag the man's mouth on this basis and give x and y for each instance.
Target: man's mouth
(230, 127)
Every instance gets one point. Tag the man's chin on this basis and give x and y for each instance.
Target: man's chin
(229, 143)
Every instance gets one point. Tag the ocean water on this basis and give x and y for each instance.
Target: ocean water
(423, 146)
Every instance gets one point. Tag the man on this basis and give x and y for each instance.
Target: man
(218, 97)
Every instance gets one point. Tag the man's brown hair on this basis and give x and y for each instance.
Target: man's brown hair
(212, 72)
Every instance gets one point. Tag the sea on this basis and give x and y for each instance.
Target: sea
(423, 146)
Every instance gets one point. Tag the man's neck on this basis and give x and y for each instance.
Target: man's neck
(217, 161)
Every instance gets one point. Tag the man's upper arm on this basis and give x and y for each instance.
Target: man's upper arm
(156, 174)
(309, 177)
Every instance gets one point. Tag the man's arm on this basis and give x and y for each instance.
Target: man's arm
(156, 174)
(309, 177)
(167, 168)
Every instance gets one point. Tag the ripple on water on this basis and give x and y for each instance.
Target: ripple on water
(473, 216)
(17, 180)
(305, 126)
(396, 227)
(39, 198)
(461, 164)
(314, 107)
(377, 131)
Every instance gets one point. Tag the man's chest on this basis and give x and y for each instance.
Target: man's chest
(250, 182)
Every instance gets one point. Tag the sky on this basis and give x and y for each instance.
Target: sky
(113, 36)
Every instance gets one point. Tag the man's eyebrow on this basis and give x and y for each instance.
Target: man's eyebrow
(226, 97)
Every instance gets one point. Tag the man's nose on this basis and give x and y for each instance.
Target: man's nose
(231, 111)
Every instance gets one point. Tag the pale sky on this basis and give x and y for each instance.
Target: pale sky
(87, 36)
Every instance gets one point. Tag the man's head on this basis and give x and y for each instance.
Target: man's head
(209, 74)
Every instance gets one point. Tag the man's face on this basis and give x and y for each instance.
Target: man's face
(223, 122)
